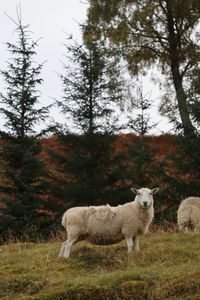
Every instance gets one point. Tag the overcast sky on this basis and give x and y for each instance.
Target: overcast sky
(51, 20)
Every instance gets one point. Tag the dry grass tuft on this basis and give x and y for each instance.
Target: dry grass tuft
(166, 268)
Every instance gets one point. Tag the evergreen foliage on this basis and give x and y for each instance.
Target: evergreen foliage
(23, 174)
(92, 91)
(92, 87)
(141, 123)
(144, 169)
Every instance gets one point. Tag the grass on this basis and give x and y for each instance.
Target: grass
(168, 267)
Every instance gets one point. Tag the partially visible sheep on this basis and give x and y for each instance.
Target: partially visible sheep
(189, 214)
(108, 225)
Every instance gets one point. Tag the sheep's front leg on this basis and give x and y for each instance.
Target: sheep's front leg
(136, 244)
(129, 243)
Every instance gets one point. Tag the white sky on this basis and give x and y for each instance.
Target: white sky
(51, 20)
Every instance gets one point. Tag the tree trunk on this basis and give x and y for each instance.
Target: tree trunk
(91, 116)
(182, 104)
(175, 70)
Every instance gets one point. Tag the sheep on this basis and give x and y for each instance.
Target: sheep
(105, 225)
(188, 214)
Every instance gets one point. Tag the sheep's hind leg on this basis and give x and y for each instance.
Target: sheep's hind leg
(67, 246)
(129, 243)
(136, 244)
(62, 249)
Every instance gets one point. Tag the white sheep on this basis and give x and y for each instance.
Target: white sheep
(189, 214)
(103, 225)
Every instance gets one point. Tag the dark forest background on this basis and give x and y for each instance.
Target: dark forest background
(105, 147)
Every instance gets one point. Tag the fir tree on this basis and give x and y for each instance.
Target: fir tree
(141, 123)
(23, 173)
(141, 154)
(91, 92)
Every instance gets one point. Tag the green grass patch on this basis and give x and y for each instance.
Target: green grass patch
(168, 267)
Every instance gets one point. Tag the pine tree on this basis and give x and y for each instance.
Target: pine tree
(91, 92)
(92, 87)
(22, 172)
(141, 123)
(141, 154)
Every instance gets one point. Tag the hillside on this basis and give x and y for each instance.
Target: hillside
(166, 268)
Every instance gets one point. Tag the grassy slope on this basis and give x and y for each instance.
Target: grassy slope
(168, 267)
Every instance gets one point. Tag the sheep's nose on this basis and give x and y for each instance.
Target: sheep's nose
(145, 203)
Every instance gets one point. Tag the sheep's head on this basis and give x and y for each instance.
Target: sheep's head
(144, 196)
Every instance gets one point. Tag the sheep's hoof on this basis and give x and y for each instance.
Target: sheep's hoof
(62, 257)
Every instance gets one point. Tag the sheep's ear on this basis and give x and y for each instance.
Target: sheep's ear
(135, 191)
(154, 191)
